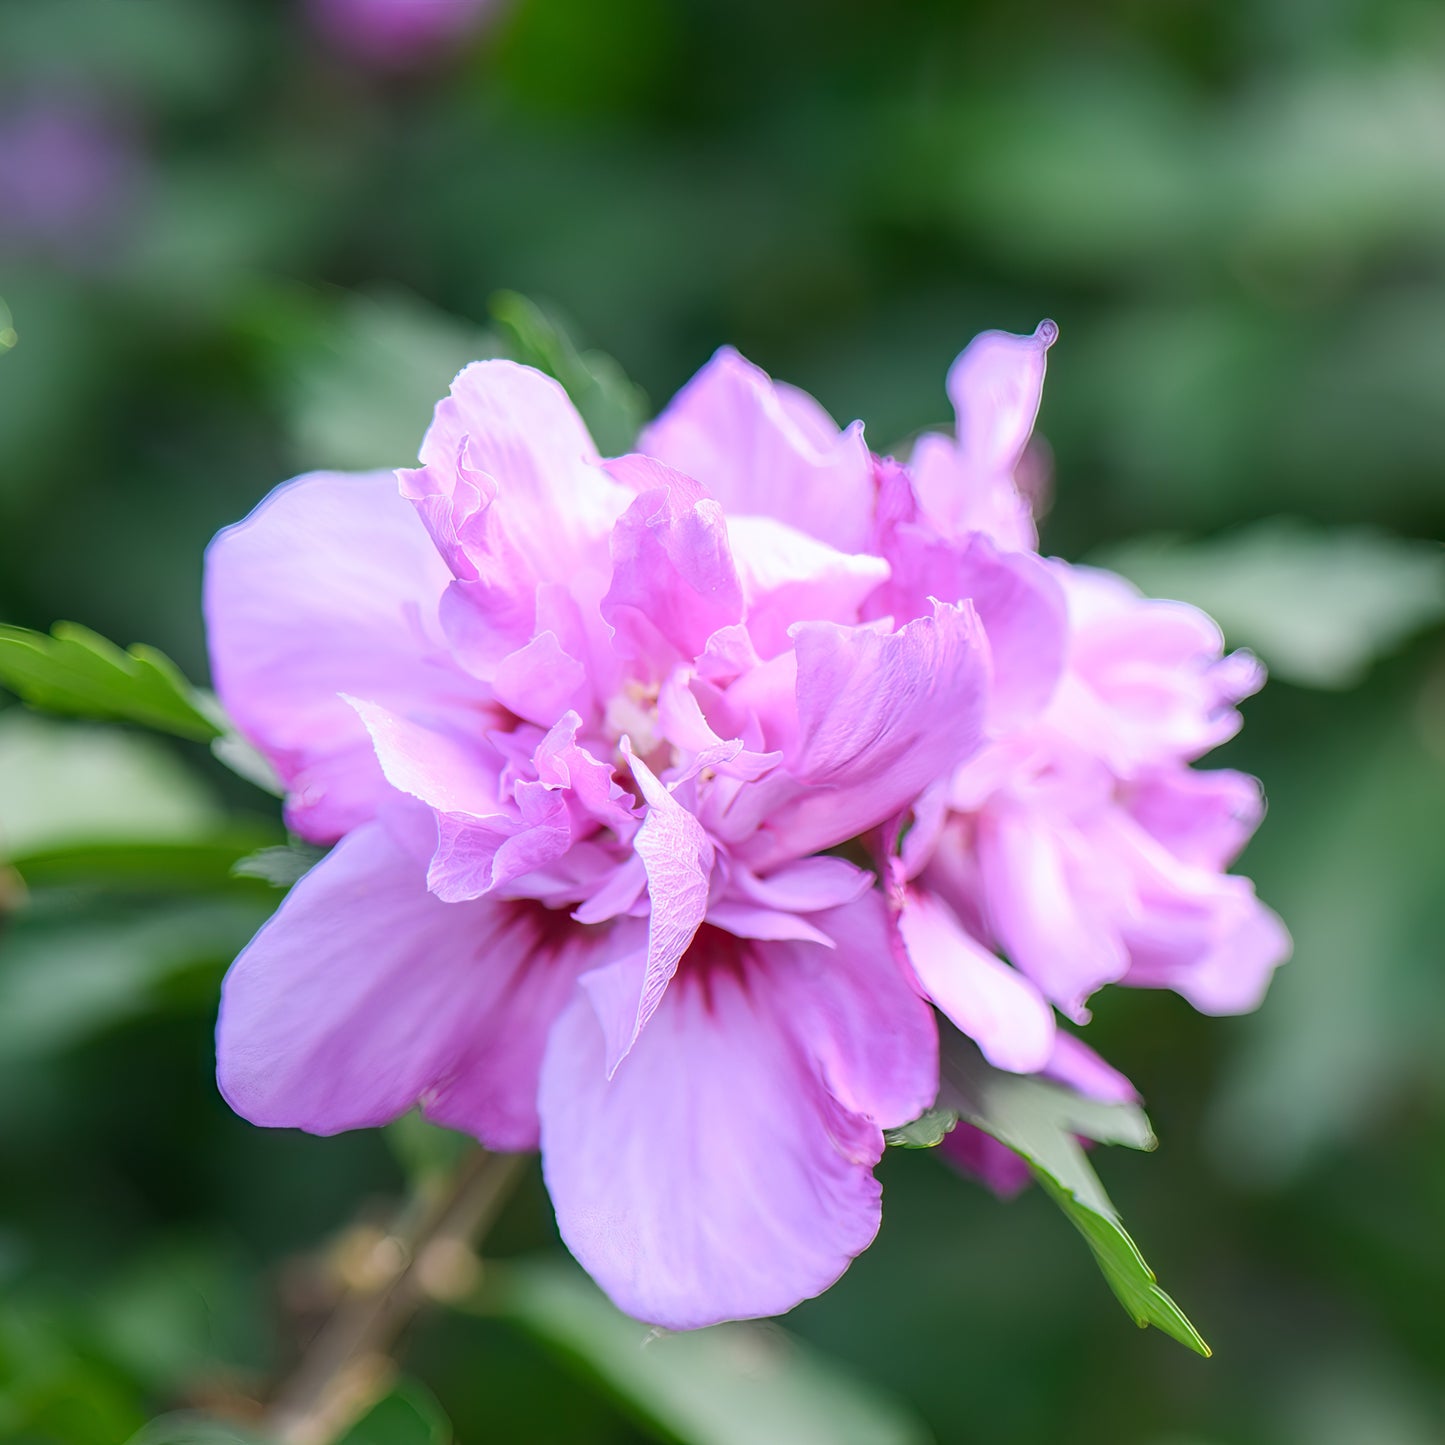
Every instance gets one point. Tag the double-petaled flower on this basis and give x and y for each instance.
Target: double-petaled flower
(589, 737)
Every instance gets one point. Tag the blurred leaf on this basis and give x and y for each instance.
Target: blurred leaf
(734, 1384)
(77, 671)
(63, 784)
(247, 761)
(167, 49)
(185, 1311)
(613, 408)
(208, 864)
(187, 1428)
(1040, 1122)
(8, 334)
(62, 979)
(361, 389)
(408, 1415)
(1351, 857)
(54, 1388)
(1318, 605)
(280, 866)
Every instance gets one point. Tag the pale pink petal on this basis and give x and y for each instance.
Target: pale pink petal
(1147, 682)
(966, 483)
(766, 454)
(365, 996)
(331, 585)
(880, 716)
(1075, 1065)
(518, 428)
(1203, 818)
(540, 681)
(995, 387)
(1018, 600)
(475, 855)
(807, 886)
(750, 920)
(673, 579)
(996, 1006)
(451, 771)
(725, 1170)
(1049, 929)
(788, 575)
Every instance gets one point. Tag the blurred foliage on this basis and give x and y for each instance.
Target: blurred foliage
(1236, 215)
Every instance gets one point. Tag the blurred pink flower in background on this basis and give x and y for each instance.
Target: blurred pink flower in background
(400, 33)
(588, 731)
(70, 173)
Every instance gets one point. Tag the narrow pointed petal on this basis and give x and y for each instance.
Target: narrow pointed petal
(678, 856)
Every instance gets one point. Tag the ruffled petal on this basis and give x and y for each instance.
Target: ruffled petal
(880, 715)
(673, 579)
(767, 451)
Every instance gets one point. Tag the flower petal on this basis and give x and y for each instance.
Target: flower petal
(672, 571)
(996, 1006)
(365, 995)
(725, 1171)
(880, 716)
(329, 586)
(767, 451)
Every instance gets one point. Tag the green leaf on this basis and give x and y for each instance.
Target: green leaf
(926, 1132)
(185, 1427)
(362, 378)
(76, 671)
(734, 1384)
(611, 405)
(65, 784)
(64, 979)
(1318, 604)
(1041, 1123)
(408, 1415)
(281, 866)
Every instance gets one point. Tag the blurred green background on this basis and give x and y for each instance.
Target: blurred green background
(278, 256)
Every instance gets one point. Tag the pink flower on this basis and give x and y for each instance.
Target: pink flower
(1078, 843)
(587, 731)
(584, 730)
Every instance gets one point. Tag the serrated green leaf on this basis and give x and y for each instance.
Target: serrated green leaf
(1042, 1122)
(408, 1415)
(77, 672)
(613, 407)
